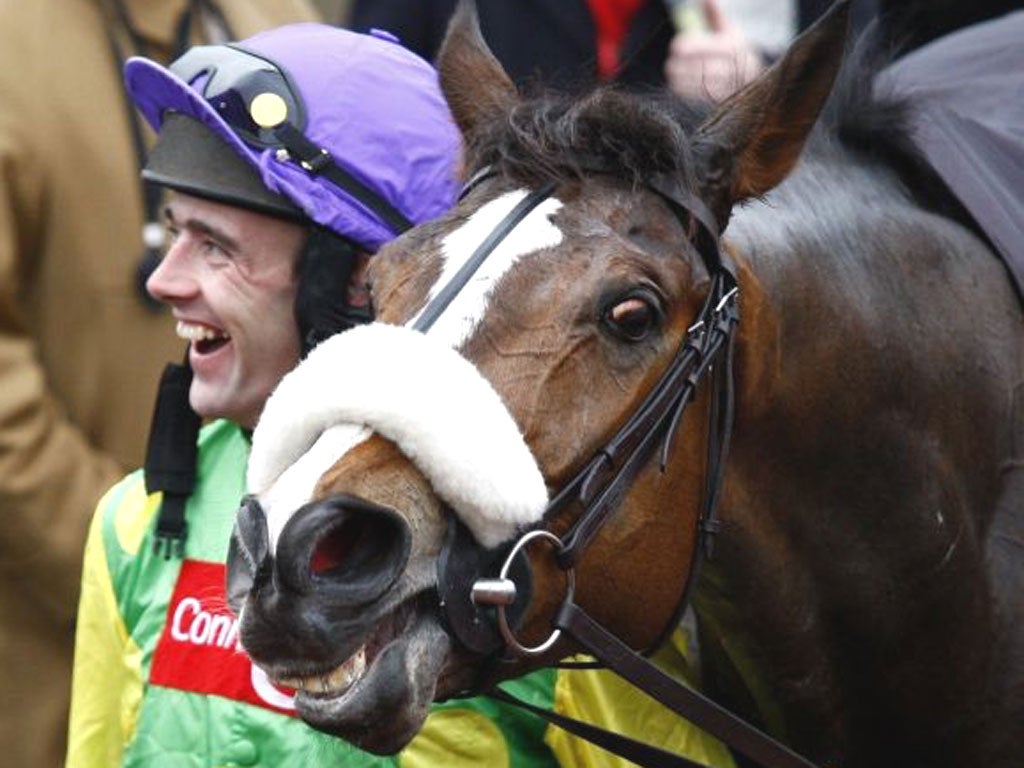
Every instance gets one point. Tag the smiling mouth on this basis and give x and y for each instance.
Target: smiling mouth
(204, 338)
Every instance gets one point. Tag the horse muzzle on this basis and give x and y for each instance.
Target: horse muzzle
(336, 561)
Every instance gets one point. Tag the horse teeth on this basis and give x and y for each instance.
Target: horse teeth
(341, 679)
(337, 682)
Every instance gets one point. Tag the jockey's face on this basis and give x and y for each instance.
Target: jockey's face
(229, 276)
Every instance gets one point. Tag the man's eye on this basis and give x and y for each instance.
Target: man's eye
(213, 248)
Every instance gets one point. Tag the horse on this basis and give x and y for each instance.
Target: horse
(840, 504)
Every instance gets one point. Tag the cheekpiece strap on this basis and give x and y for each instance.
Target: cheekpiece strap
(451, 289)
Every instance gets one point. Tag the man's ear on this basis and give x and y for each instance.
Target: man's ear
(474, 82)
(753, 139)
(357, 292)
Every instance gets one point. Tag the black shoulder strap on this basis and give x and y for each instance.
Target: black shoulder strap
(171, 457)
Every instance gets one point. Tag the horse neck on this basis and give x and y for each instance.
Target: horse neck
(838, 271)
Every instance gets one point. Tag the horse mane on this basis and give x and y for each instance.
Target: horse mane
(873, 127)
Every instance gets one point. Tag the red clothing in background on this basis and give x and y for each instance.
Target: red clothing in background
(611, 19)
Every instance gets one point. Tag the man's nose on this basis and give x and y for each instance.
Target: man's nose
(172, 279)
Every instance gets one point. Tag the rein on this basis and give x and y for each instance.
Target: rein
(706, 352)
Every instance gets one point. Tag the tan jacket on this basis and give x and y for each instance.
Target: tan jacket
(79, 353)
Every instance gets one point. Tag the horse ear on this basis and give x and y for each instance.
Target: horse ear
(753, 139)
(474, 82)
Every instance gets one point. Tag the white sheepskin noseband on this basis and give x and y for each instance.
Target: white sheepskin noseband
(427, 399)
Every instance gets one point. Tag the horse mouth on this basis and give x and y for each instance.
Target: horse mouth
(337, 682)
(333, 684)
(377, 698)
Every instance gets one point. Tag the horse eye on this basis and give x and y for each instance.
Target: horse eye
(634, 317)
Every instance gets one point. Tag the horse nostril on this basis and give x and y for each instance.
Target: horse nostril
(248, 561)
(333, 549)
(345, 547)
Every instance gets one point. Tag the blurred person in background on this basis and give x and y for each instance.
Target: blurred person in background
(334, 11)
(567, 44)
(698, 48)
(722, 45)
(81, 347)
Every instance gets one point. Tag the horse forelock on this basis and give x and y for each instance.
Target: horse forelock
(632, 136)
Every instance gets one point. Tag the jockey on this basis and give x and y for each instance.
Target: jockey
(291, 157)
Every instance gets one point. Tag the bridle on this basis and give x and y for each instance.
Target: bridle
(482, 610)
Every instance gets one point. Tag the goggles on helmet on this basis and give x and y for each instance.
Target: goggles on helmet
(256, 98)
(252, 94)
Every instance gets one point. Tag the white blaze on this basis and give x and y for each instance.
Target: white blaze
(418, 392)
(295, 485)
(532, 234)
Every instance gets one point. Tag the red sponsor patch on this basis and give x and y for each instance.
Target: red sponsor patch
(199, 651)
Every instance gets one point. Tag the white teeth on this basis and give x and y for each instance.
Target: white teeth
(195, 332)
(333, 684)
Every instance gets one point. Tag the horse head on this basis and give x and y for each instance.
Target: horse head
(516, 338)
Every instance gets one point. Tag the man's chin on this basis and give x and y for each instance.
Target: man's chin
(211, 402)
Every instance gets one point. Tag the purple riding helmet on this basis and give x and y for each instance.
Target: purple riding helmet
(300, 103)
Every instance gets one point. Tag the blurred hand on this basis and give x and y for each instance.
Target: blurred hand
(711, 63)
